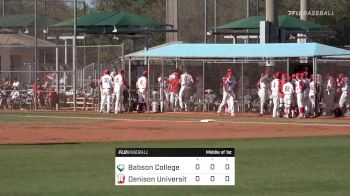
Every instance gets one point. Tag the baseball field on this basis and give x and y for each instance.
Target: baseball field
(72, 153)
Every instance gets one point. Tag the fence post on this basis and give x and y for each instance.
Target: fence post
(57, 81)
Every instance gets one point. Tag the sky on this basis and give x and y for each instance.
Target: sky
(88, 2)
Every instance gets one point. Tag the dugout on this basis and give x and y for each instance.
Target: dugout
(248, 61)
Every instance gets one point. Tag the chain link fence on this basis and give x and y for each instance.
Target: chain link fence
(49, 84)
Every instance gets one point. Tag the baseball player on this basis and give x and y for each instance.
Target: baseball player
(312, 93)
(264, 85)
(275, 94)
(174, 89)
(113, 74)
(13, 96)
(282, 82)
(164, 93)
(344, 89)
(288, 91)
(186, 82)
(142, 92)
(306, 84)
(228, 84)
(106, 91)
(330, 93)
(119, 85)
(299, 90)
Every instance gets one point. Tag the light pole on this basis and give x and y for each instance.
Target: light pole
(35, 53)
(74, 56)
(205, 21)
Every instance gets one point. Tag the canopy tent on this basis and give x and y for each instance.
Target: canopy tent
(232, 53)
(107, 21)
(22, 21)
(216, 51)
(284, 22)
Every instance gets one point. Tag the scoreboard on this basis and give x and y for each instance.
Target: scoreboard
(175, 166)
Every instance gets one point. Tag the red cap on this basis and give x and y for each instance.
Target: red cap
(106, 71)
(229, 70)
(341, 75)
(302, 75)
(121, 71)
(277, 74)
(145, 73)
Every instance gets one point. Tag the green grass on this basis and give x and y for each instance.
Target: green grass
(25, 117)
(20, 120)
(288, 166)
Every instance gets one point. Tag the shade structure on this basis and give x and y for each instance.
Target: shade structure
(111, 19)
(285, 22)
(270, 50)
(14, 21)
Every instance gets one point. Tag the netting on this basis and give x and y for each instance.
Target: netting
(49, 84)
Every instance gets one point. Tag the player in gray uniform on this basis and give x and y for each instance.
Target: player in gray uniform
(330, 93)
(264, 87)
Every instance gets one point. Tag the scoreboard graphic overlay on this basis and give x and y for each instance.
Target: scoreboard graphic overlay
(175, 166)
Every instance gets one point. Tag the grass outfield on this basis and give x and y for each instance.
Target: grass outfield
(288, 166)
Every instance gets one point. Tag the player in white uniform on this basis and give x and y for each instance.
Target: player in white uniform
(264, 86)
(282, 82)
(106, 91)
(142, 92)
(312, 93)
(275, 94)
(119, 85)
(228, 84)
(186, 82)
(299, 90)
(113, 74)
(330, 94)
(288, 91)
(344, 85)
